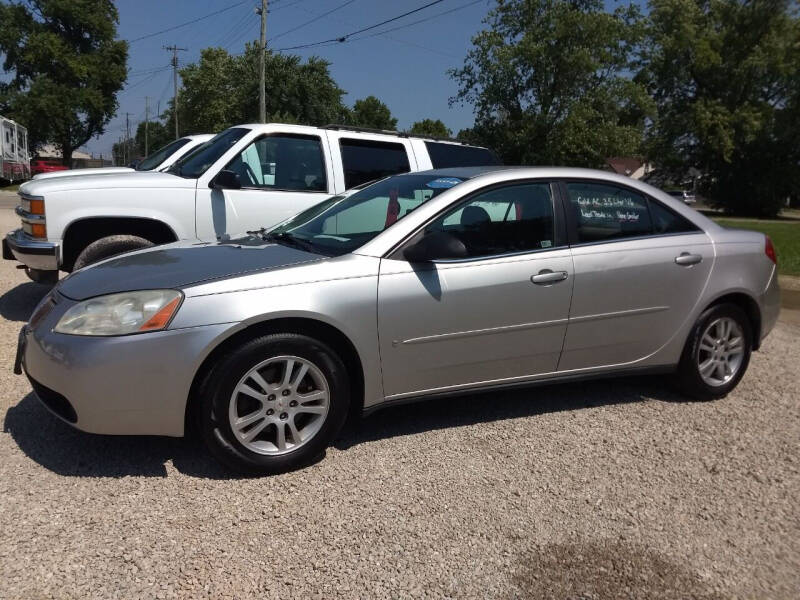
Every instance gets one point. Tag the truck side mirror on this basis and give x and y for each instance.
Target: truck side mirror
(226, 180)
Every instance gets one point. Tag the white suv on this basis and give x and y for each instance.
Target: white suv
(247, 177)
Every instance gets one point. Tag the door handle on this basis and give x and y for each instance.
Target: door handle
(546, 276)
(685, 259)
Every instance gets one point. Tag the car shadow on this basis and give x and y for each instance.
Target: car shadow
(459, 411)
(67, 451)
(18, 303)
(64, 450)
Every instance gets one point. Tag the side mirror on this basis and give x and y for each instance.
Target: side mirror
(436, 245)
(226, 180)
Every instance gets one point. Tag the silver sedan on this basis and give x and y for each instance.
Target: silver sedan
(419, 285)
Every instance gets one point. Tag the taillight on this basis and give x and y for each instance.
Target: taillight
(769, 250)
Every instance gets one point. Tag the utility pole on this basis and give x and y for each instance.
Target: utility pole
(262, 83)
(174, 50)
(146, 122)
(127, 138)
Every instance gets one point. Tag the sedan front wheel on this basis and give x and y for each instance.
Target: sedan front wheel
(274, 404)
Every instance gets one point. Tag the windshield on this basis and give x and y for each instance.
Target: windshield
(342, 224)
(159, 156)
(194, 164)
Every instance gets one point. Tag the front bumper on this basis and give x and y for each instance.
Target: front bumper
(40, 255)
(123, 385)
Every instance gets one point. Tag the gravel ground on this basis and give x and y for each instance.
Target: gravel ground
(614, 489)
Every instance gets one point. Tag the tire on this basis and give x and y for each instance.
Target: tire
(109, 246)
(696, 354)
(221, 403)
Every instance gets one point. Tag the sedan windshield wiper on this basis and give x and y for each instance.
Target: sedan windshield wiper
(286, 239)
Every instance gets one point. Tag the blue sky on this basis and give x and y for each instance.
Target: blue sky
(406, 69)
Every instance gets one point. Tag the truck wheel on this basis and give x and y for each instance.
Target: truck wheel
(109, 246)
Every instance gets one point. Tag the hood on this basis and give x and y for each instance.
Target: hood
(178, 266)
(128, 179)
(82, 172)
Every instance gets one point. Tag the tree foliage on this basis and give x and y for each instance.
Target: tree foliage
(549, 80)
(725, 75)
(371, 112)
(431, 127)
(66, 69)
(158, 135)
(221, 90)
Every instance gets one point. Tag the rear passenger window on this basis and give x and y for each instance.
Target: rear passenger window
(366, 160)
(607, 212)
(455, 155)
(666, 221)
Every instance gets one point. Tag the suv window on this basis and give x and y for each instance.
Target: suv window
(282, 162)
(607, 212)
(515, 218)
(367, 160)
(455, 155)
(160, 155)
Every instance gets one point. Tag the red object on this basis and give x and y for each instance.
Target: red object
(41, 165)
(769, 250)
(392, 209)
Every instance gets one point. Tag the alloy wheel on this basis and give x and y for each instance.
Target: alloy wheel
(721, 351)
(279, 405)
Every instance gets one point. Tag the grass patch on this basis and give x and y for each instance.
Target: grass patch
(785, 236)
(9, 188)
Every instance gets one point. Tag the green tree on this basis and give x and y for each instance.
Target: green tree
(158, 135)
(66, 69)
(549, 82)
(221, 90)
(430, 127)
(725, 75)
(371, 112)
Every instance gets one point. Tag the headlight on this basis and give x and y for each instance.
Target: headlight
(120, 314)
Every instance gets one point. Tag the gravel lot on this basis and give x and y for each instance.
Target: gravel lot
(613, 489)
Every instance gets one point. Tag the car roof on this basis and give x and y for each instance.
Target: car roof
(463, 172)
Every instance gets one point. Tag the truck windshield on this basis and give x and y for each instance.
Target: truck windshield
(159, 156)
(194, 164)
(342, 224)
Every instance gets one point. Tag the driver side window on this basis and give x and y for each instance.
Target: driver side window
(515, 218)
(282, 162)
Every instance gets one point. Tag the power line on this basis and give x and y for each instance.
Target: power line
(345, 37)
(317, 18)
(441, 14)
(149, 35)
(245, 19)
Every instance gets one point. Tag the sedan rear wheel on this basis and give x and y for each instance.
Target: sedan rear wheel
(721, 351)
(274, 403)
(717, 352)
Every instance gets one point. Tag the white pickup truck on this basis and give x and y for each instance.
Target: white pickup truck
(160, 160)
(247, 177)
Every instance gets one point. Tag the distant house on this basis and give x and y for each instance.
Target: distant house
(80, 160)
(634, 168)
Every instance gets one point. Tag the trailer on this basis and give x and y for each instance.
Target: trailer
(15, 164)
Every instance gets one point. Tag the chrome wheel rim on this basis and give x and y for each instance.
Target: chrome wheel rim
(721, 351)
(279, 405)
